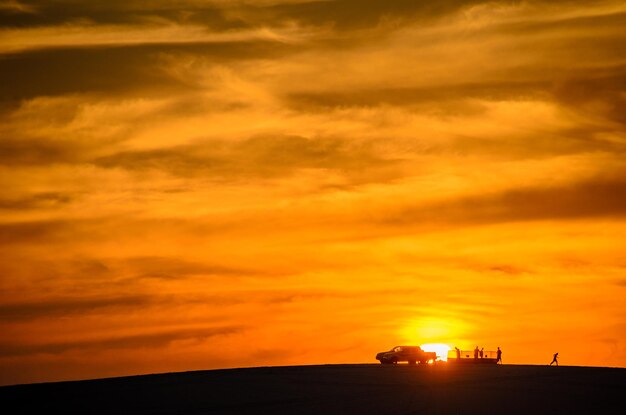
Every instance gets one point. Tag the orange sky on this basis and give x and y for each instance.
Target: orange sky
(206, 184)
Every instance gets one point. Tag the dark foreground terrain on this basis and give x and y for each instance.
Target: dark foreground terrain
(336, 389)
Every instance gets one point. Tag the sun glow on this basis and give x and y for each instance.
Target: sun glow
(440, 348)
(434, 329)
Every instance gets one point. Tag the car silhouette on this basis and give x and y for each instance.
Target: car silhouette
(411, 354)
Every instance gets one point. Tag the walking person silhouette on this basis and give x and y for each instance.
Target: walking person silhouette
(499, 355)
(554, 359)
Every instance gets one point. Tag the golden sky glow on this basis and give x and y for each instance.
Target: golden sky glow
(204, 184)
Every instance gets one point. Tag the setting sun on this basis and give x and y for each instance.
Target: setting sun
(434, 329)
(440, 348)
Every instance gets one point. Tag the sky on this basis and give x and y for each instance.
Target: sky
(193, 184)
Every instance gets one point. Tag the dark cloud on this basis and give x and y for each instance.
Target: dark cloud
(586, 199)
(508, 269)
(50, 271)
(66, 71)
(263, 156)
(535, 145)
(94, 230)
(28, 232)
(350, 15)
(435, 98)
(37, 201)
(469, 100)
(559, 24)
(77, 278)
(266, 157)
(358, 14)
(140, 341)
(597, 198)
(342, 14)
(37, 152)
(600, 95)
(175, 268)
(58, 12)
(80, 306)
(122, 70)
(68, 306)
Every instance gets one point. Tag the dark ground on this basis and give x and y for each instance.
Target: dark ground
(337, 389)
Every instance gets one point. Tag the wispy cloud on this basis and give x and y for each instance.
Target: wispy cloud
(138, 341)
(66, 306)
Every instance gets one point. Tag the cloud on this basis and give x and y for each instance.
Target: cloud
(14, 8)
(229, 15)
(60, 12)
(33, 152)
(68, 306)
(596, 95)
(116, 71)
(61, 72)
(263, 156)
(446, 101)
(36, 201)
(588, 199)
(355, 14)
(176, 268)
(11, 233)
(138, 341)
(14, 41)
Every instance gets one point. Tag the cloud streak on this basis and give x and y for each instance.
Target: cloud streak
(597, 198)
(140, 341)
(66, 306)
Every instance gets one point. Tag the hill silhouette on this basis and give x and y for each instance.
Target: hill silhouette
(336, 389)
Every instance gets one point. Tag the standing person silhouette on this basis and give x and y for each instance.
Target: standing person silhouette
(554, 359)
(482, 352)
(476, 353)
(499, 355)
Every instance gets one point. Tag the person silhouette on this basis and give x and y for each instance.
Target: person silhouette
(555, 359)
(482, 351)
(499, 356)
(458, 353)
(476, 353)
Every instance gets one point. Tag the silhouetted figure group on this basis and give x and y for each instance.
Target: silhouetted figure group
(555, 359)
(480, 356)
(478, 352)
